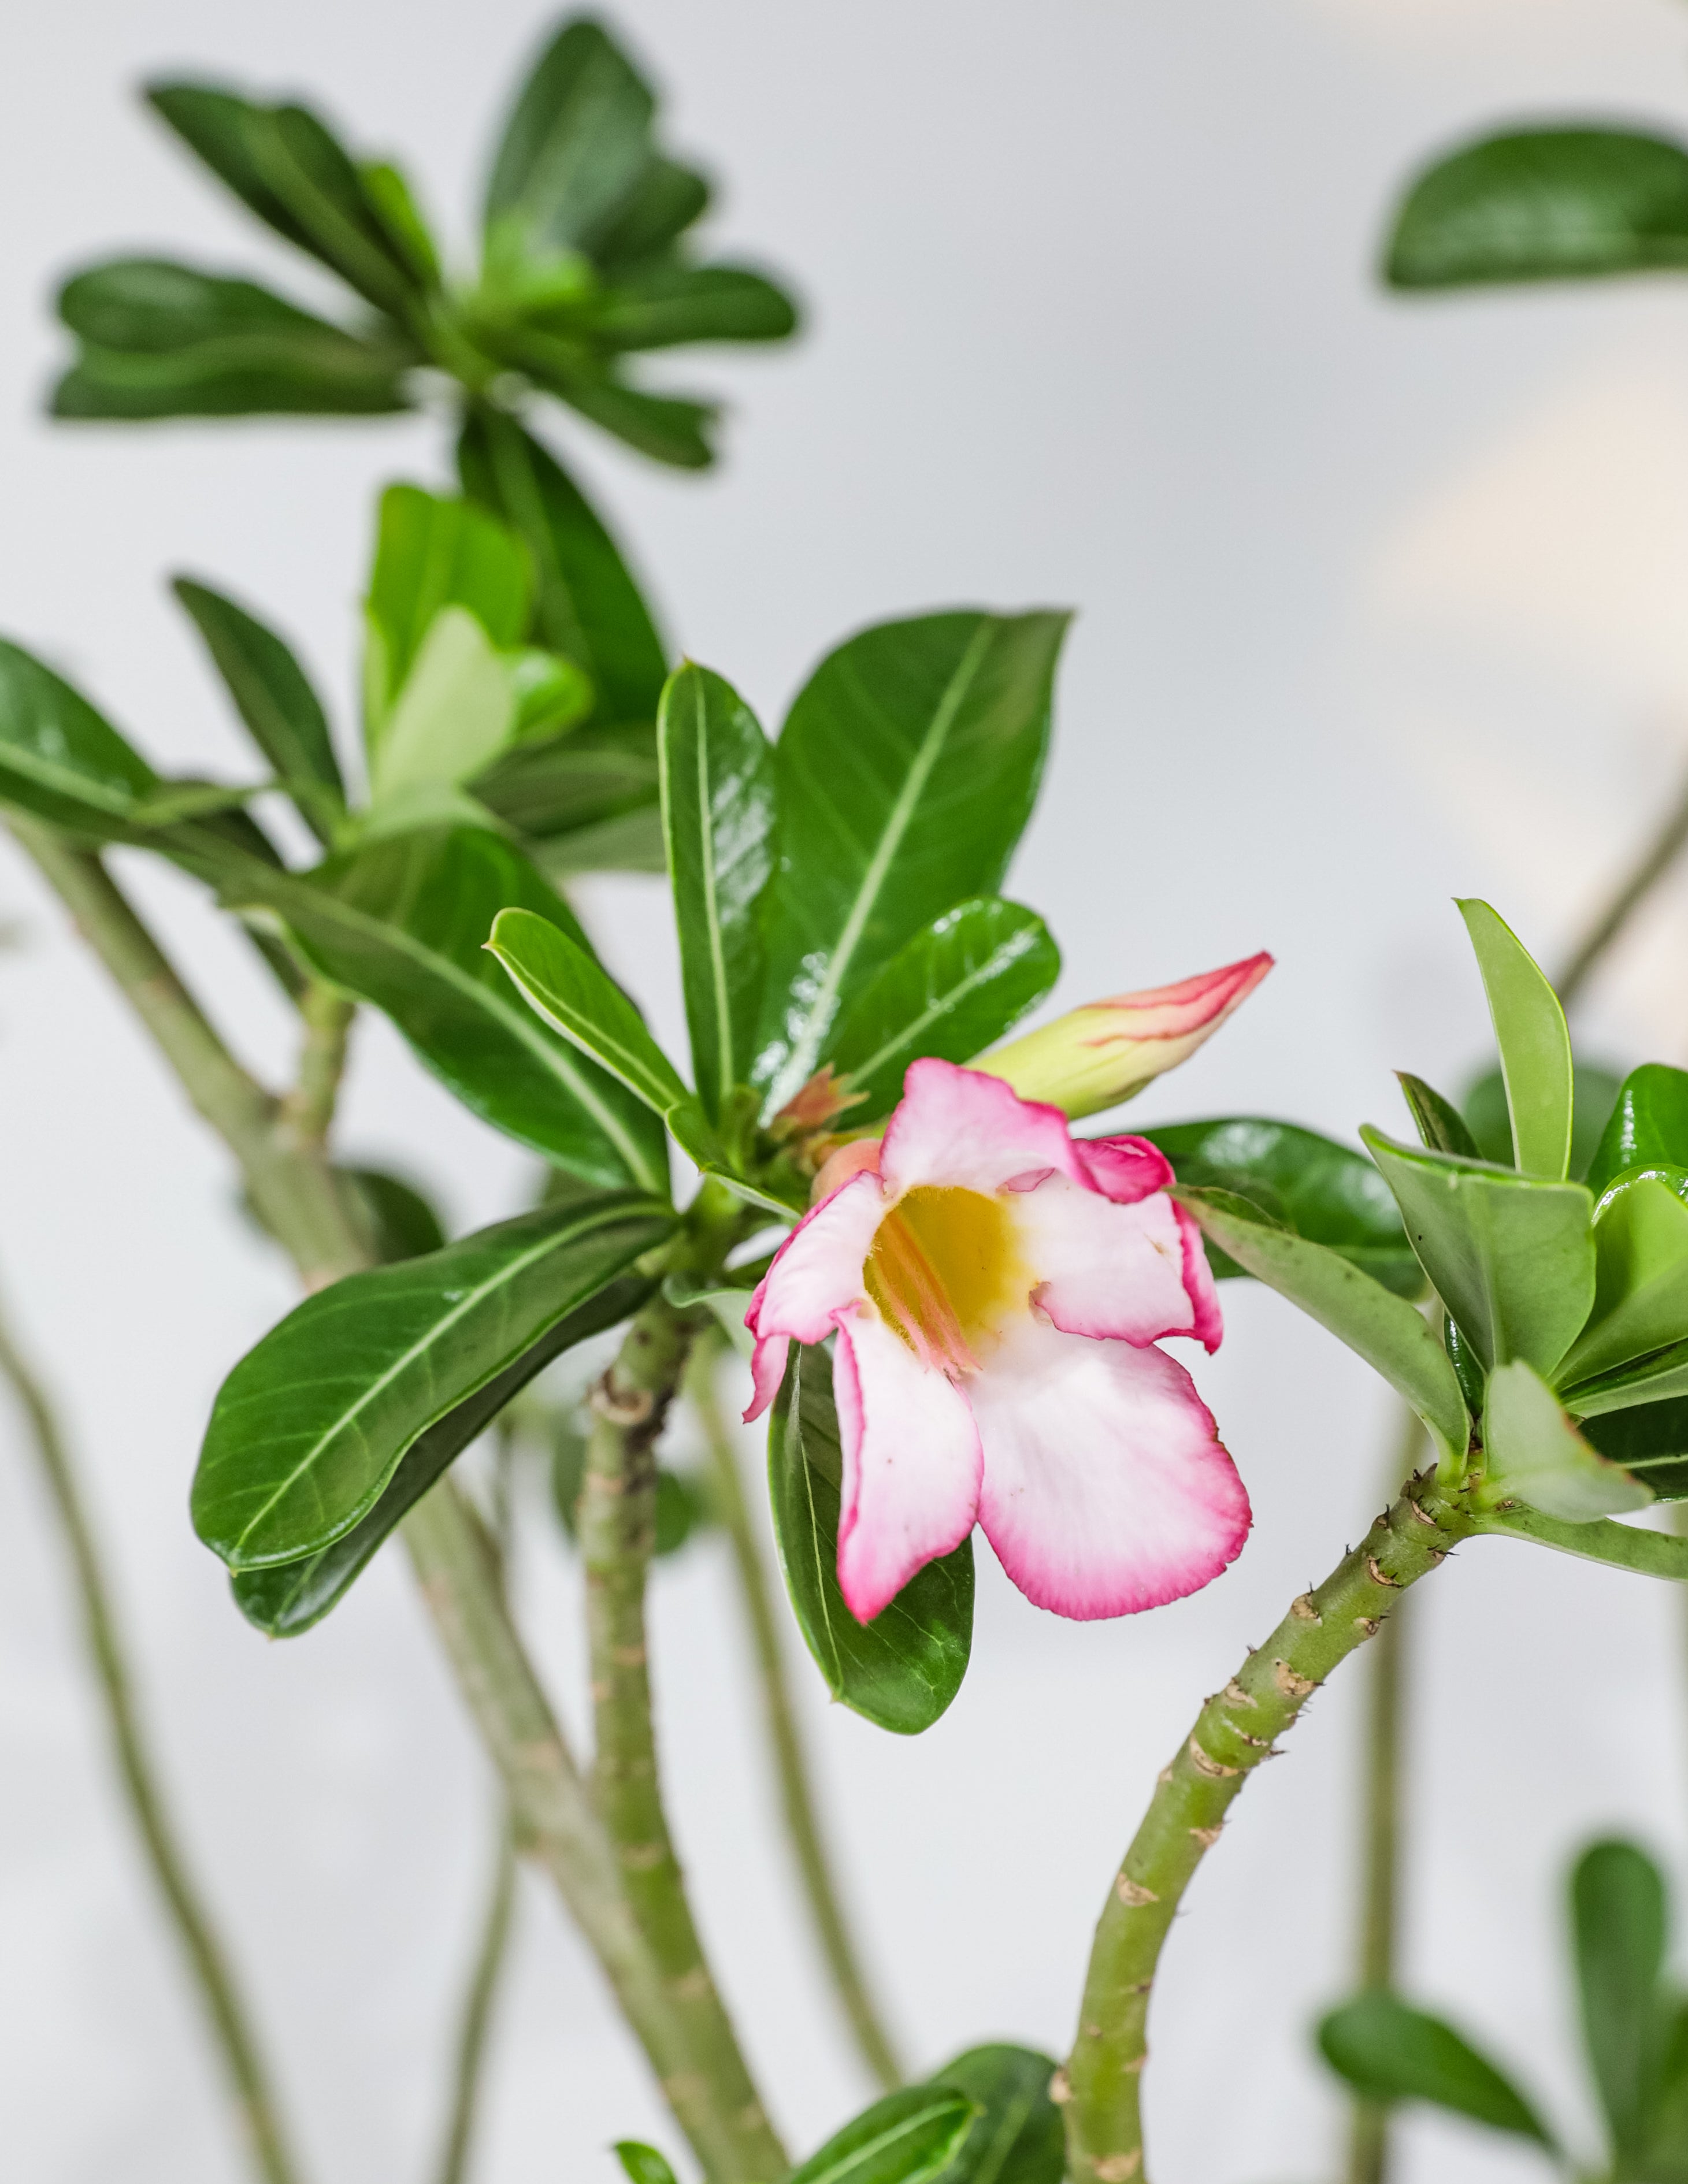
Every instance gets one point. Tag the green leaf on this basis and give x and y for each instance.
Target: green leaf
(1533, 1453)
(952, 991)
(902, 1669)
(907, 768)
(588, 798)
(1641, 1298)
(1310, 1185)
(1544, 204)
(390, 197)
(1388, 2051)
(430, 554)
(163, 340)
(1016, 2137)
(456, 711)
(403, 924)
(287, 166)
(59, 759)
(1619, 1925)
(1440, 1126)
(907, 2138)
(643, 2164)
(1648, 1126)
(285, 1599)
(1511, 1257)
(1622, 1546)
(396, 1219)
(1650, 1440)
(1534, 1044)
(576, 144)
(310, 1426)
(588, 604)
(718, 818)
(282, 713)
(667, 200)
(1390, 1334)
(663, 305)
(577, 997)
(1595, 1093)
(669, 428)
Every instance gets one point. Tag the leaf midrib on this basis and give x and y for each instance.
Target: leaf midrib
(1001, 958)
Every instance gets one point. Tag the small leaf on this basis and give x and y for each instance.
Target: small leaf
(643, 2164)
(669, 428)
(907, 2138)
(1640, 1300)
(310, 1426)
(396, 1218)
(1544, 204)
(718, 819)
(432, 553)
(587, 799)
(902, 1669)
(1650, 1440)
(907, 768)
(1388, 2051)
(1016, 2137)
(667, 199)
(1379, 1326)
(59, 759)
(1534, 1044)
(1622, 1546)
(273, 697)
(1320, 1189)
(952, 991)
(1511, 1257)
(390, 197)
(1648, 1126)
(1619, 1924)
(576, 144)
(453, 714)
(1533, 1453)
(663, 305)
(1440, 1126)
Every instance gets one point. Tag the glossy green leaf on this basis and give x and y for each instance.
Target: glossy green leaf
(403, 924)
(1384, 1329)
(1388, 2051)
(588, 604)
(1619, 1925)
(430, 554)
(1648, 1126)
(59, 759)
(287, 166)
(1621, 1546)
(1641, 1298)
(1651, 1380)
(1534, 1044)
(662, 305)
(285, 1599)
(576, 143)
(310, 1426)
(1649, 1439)
(273, 697)
(163, 340)
(1594, 1091)
(643, 2164)
(1016, 2137)
(1323, 1190)
(953, 990)
(906, 2138)
(1532, 1453)
(907, 769)
(587, 799)
(1440, 1126)
(1511, 1258)
(902, 1669)
(718, 817)
(1544, 204)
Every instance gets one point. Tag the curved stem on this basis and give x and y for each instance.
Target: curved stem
(1233, 1732)
(200, 1943)
(617, 1536)
(1659, 854)
(477, 2015)
(802, 1821)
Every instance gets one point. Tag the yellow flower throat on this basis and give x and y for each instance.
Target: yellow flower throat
(944, 1271)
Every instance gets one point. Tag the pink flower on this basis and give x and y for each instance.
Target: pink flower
(997, 1289)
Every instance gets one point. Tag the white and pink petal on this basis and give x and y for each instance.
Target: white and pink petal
(1112, 1272)
(958, 1129)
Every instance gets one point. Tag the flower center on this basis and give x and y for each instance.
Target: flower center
(945, 1270)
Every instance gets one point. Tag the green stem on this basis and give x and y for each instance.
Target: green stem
(199, 1941)
(551, 1811)
(477, 2014)
(1233, 1732)
(617, 1534)
(306, 1113)
(1655, 860)
(802, 1821)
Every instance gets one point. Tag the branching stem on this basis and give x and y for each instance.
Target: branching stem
(306, 1114)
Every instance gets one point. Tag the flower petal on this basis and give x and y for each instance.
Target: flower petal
(1123, 1169)
(1106, 1489)
(767, 1370)
(959, 1129)
(1198, 1279)
(816, 1272)
(911, 1463)
(1104, 1270)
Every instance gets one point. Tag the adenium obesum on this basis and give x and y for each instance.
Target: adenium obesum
(997, 1289)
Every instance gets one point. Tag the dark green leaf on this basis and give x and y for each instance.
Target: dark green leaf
(396, 1220)
(669, 428)
(310, 1425)
(665, 304)
(1619, 1925)
(1544, 204)
(1440, 1126)
(643, 2164)
(576, 144)
(902, 1669)
(1532, 1453)
(665, 202)
(59, 759)
(1534, 1044)
(1376, 1325)
(403, 924)
(1652, 1380)
(907, 768)
(953, 990)
(1016, 2137)
(588, 605)
(1622, 1546)
(1648, 1128)
(906, 2138)
(390, 197)
(718, 817)
(286, 1598)
(271, 694)
(1388, 2051)
(1651, 1440)
(1323, 1190)
(1641, 1298)
(589, 797)
(1511, 1257)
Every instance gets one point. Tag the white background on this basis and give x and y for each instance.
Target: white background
(1380, 601)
